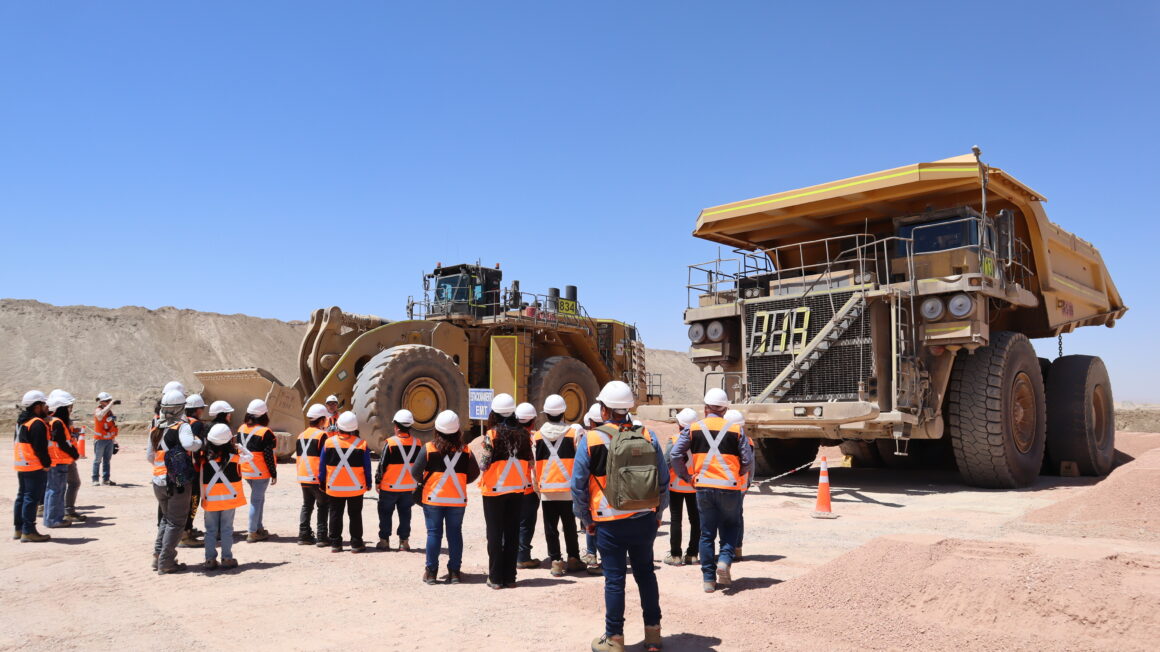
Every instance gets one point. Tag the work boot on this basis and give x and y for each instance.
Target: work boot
(196, 533)
(306, 539)
(592, 565)
(17, 535)
(405, 545)
(690, 559)
(153, 565)
(383, 544)
(176, 568)
(652, 638)
(709, 586)
(254, 537)
(492, 585)
(737, 554)
(34, 537)
(674, 560)
(575, 565)
(557, 568)
(229, 563)
(608, 643)
(336, 547)
(188, 541)
(61, 524)
(210, 564)
(357, 547)
(110, 483)
(454, 577)
(429, 576)
(322, 543)
(723, 576)
(529, 563)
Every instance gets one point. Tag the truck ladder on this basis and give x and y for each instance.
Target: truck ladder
(815, 348)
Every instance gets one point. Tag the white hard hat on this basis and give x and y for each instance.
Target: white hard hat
(404, 418)
(716, 397)
(347, 421)
(257, 407)
(33, 397)
(219, 434)
(218, 407)
(617, 395)
(733, 416)
(59, 398)
(104, 396)
(173, 385)
(448, 422)
(525, 412)
(331, 399)
(503, 405)
(317, 411)
(594, 416)
(172, 398)
(687, 417)
(555, 405)
(194, 401)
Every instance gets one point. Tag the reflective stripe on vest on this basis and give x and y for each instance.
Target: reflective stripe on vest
(55, 452)
(715, 455)
(676, 482)
(255, 469)
(512, 464)
(159, 455)
(344, 463)
(601, 510)
(24, 455)
(307, 464)
(405, 474)
(219, 477)
(460, 497)
(554, 461)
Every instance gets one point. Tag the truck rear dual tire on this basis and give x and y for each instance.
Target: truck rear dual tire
(1081, 416)
(997, 413)
(569, 378)
(420, 378)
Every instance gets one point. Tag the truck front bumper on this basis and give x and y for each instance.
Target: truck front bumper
(803, 415)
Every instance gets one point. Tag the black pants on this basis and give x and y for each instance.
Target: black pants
(677, 502)
(312, 495)
(560, 511)
(502, 515)
(353, 505)
(529, 512)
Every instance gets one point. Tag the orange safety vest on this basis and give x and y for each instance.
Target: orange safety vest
(745, 476)
(221, 485)
(24, 454)
(716, 454)
(554, 460)
(55, 452)
(159, 454)
(104, 428)
(399, 457)
(511, 476)
(676, 483)
(342, 478)
(308, 449)
(254, 439)
(446, 484)
(598, 441)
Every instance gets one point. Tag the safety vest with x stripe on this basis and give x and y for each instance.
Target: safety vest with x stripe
(399, 457)
(554, 459)
(343, 479)
(510, 476)
(715, 446)
(221, 485)
(445, 483)
(255, 440)
(307, 449)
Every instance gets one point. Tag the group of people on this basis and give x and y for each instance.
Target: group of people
(611, 473)
(47, 446)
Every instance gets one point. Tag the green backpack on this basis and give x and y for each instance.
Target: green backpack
(631, 469)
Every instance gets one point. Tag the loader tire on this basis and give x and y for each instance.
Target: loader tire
(569, 378)
(1081, 423)
(863, 454)
(776, 456)
(996, 413)
(420, 378)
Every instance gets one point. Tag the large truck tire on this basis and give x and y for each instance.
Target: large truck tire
(863, 454)
(1081, 423)
(569, 378)
(776, 456)
(996, 413)
(420, 378)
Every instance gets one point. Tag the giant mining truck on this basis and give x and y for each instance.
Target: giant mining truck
(893, 311)
(465, 332)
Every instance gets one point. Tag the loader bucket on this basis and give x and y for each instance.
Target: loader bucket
(240, 386)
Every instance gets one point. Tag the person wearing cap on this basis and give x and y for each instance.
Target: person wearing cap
(220, 477)
(622, 535)
(721, 458)
(396, 481)
(104, 435)
(530, 508)
(307, 451)
(682, 499)
(554, 452)
(345, 471)
(31, 461)
(592, 419)
(194, 404)
(505, 476)
(171, 432)
(262, 471)
(62, 452)
(331, 403)
(445, 467)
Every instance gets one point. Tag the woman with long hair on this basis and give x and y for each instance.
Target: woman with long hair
(222, 494)
(444, 469)
(505, 476)
(262, 471)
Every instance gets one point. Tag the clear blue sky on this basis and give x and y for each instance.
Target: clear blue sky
(274, 157)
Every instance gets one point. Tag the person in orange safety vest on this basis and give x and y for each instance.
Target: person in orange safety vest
(554, 452)
(396, 481)
(262, 471)
(220, 477)
(104, 438)
(444, 469)
(344, 469)
(31, 461)
(307, 451)
(682, 498)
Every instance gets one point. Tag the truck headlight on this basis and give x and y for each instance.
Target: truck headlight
(697, 333)
(960, 305)
(932, 309)
(715, 331)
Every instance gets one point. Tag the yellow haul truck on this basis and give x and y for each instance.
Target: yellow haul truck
(891, 309)
(465, 332)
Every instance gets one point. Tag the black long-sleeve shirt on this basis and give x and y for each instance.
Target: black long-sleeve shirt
(61, 438)
(37, 435)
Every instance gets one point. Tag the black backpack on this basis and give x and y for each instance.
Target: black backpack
(179, 470)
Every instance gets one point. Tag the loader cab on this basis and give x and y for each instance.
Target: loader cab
(464, 291)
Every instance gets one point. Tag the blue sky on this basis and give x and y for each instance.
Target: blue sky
(274, 157)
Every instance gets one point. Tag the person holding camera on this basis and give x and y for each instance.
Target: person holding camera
(104, 437)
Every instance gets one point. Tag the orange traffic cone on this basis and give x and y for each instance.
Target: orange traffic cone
(822, 508)
(81, 442)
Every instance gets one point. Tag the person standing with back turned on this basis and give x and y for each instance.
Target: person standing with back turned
(620, 489)
(171, 432)
(262, 471)
(395, 480)
(682, 498)
(445, 467)
(345, 470)
(308, 451)
(505, 475)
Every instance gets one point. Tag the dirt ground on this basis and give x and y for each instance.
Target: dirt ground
(916, 559)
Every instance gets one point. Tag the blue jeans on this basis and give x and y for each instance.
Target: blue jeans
(720, 519)
(389, 502)
(102, 454)
(28, 495)
(219, 526)
(54, 495)
(257, 502)
(629, 539)
(741, 521)
(589, 543)
(436, 517)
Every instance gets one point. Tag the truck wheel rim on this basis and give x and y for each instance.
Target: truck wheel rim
(422, 397)
(1022, 421)
(575, 401)
(1099, 418)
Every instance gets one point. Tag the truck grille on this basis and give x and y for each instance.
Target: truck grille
(835, 376)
